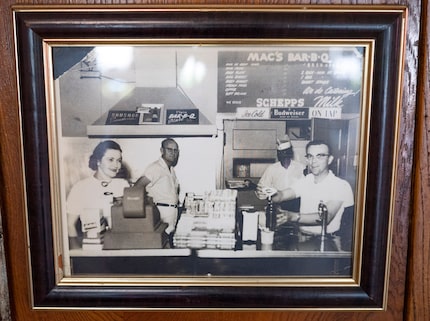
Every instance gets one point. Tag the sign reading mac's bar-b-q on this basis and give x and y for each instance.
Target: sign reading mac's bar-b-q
(303, 82)
(182, 116)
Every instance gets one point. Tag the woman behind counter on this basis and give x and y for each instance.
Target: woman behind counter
(96, 191)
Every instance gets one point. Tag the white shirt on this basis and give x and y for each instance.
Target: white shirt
(90, 193)
(281, 178)
(164, 184)
(332, 188)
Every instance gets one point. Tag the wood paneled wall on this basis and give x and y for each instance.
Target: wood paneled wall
(414, 278)
(418, 285)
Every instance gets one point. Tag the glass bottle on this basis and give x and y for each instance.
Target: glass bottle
(270, 215)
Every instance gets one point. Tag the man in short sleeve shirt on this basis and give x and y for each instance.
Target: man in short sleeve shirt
(330, 189)
(284, 173)
(162, 184)
(319, 185)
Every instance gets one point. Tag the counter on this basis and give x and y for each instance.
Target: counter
(210, 239)
(287, 257)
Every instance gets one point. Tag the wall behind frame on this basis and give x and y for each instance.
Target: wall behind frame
(419, 281)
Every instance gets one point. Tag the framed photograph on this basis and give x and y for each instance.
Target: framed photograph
(150, 113)
(149, 140)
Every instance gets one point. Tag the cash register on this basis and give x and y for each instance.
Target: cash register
(136, 223)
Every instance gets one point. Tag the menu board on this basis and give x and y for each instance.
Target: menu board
(298, 82)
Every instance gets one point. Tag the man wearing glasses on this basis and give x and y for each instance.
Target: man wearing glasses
(320, 185)
(162, 184)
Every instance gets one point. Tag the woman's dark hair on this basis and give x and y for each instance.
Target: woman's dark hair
(100, 151)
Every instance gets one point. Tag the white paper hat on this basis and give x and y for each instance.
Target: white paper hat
(283, 143)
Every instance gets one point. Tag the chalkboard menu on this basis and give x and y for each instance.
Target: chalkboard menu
(298, 82)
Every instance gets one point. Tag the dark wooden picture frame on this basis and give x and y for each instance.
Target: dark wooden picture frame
(383, 26)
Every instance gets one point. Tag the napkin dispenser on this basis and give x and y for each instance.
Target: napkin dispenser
(249, 226)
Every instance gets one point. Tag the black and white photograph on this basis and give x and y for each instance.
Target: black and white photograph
(211, 160)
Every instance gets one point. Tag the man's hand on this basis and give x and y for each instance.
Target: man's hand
(264, 192)
(284, 216)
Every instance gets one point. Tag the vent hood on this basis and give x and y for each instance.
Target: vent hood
(172, 98)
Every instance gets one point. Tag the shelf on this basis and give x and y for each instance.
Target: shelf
(150, 130)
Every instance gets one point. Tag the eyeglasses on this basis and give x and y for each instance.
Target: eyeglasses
(310, 157)
(171, 150)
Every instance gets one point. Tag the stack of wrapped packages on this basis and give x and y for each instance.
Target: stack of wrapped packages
(208, 221)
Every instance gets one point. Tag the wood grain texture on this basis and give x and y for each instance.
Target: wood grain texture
(13, 209)
(418, 290)
(4, 292)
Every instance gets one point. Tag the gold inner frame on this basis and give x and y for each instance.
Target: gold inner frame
(365, 113)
